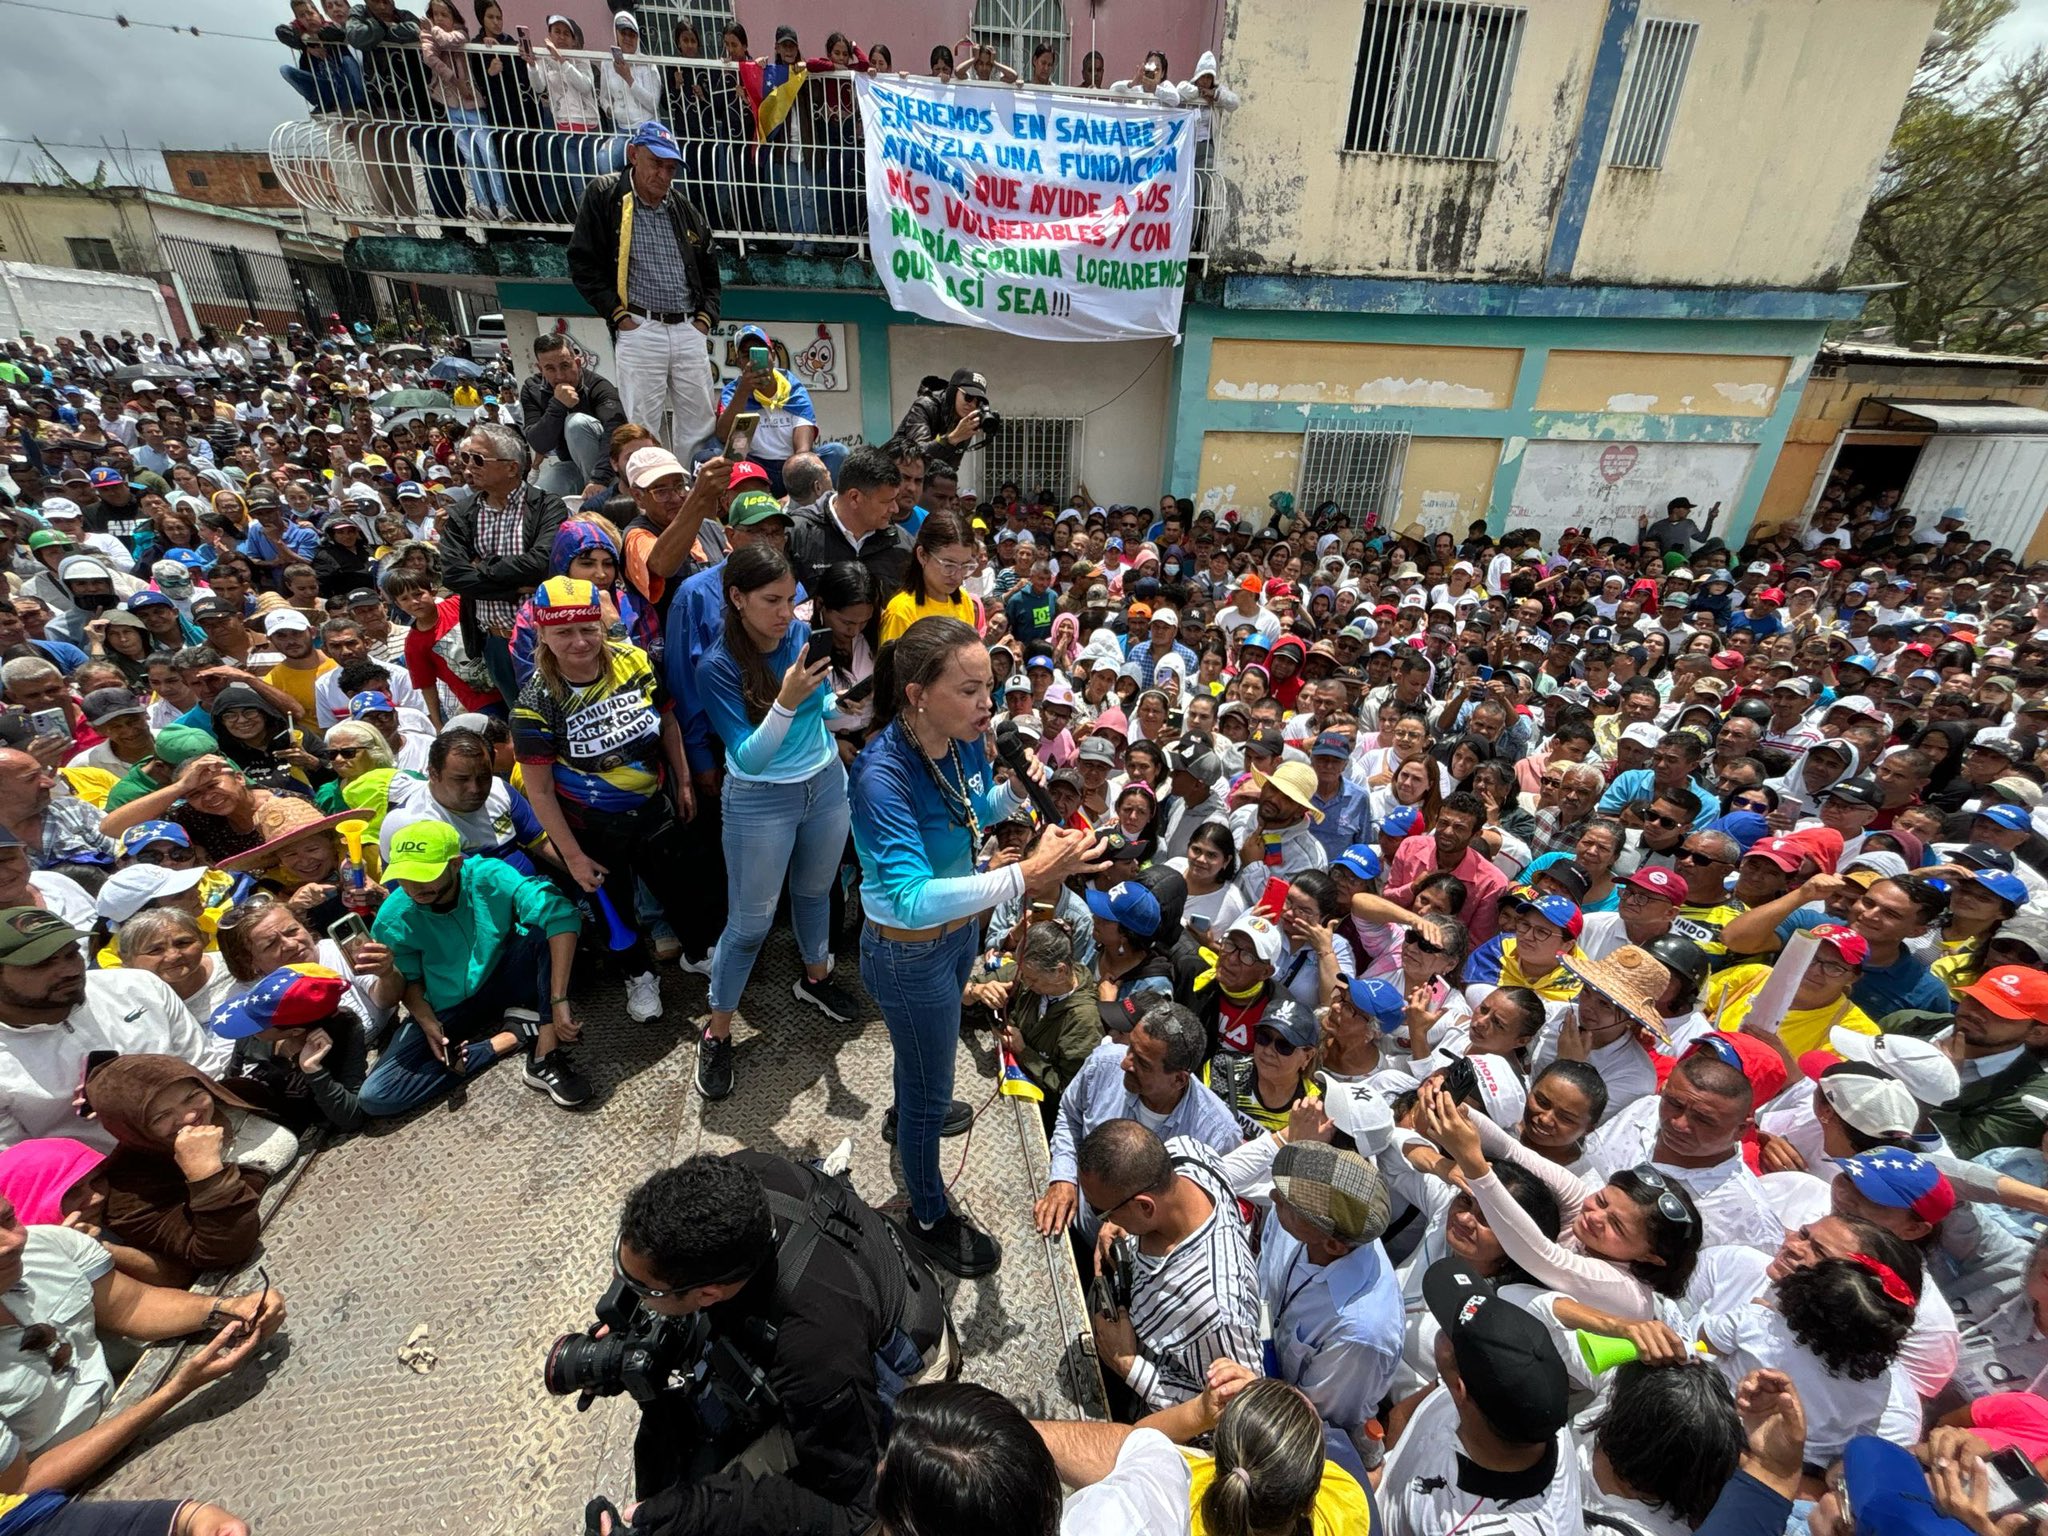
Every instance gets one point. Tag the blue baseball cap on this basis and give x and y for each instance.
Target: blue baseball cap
(653, 135)
(104, 477)
(1114, 543)
(1900, 1181)
(2006, 887)
(1887, 1488)
(411, 488)
(148, 599)
(142, 834)
(190, 557)
(1401, 821)
(2013, 818)
(1362, 859)
(1559, 911)
(1129, 904)
(370, 702)
(1379, 999)
(1332, 744)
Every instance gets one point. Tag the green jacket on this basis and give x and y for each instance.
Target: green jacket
(1987, 1113)
(1058, 1032)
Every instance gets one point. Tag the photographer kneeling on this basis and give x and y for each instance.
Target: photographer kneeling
(807, 1316)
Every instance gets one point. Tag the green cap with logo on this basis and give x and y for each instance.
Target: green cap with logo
(423, 851)
(750, 507)
(31, 935)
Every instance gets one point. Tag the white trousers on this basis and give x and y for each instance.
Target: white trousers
(665, 370)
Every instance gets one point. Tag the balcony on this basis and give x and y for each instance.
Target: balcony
(382, 152)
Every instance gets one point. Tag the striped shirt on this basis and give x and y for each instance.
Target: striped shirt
(1199, 1302)
(500, 534)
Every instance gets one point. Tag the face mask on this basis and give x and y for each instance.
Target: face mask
(1171, 568)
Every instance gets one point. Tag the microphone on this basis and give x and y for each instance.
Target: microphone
(1015, 756)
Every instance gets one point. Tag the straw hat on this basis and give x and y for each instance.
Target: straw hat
(285, 819)
(1297, 781)
(1632, 979)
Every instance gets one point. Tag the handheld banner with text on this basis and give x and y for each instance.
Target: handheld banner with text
(1059, 217)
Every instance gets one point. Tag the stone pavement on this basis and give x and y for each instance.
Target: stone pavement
(489, 1223)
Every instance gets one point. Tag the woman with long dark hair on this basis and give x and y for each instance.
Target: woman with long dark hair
(940, 561)
(784, 799)
(923, 790)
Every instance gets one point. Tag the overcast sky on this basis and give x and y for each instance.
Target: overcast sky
(218, 91)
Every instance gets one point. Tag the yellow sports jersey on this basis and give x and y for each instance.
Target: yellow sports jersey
(298, 682)
(1729, 994)
(1341, 1507)
(603, 740)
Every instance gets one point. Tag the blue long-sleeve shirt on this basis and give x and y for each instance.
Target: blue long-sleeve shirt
(1639, 784)
(696, 618)
(785, 746)
(916, 859)
(1098, 1095)
(1746, 1507)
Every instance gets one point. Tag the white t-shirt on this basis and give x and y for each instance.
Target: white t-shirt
(1146, 1491)
(1419, 1492)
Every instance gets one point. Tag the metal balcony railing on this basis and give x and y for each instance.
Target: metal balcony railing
(497, 139)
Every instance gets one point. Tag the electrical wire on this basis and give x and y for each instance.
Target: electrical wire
(126, 22)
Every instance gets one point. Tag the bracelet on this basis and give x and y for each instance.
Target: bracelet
(556, 1002)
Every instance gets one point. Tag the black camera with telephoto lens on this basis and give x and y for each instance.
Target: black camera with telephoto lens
(640, 1352)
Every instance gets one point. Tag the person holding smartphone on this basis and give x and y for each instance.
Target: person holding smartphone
(765, 686)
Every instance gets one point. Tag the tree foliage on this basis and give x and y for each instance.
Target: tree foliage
(1960, 211)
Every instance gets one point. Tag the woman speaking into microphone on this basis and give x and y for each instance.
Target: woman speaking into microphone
(923, 793)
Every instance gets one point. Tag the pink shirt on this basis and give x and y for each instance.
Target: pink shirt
(1484, 885)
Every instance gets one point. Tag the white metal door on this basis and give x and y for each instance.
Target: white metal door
(1997, 485)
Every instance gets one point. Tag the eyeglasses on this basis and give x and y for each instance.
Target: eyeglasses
(1669, 1206)
(644, 1292)
(1273, 1040)
(1104, 1212)
(1658, 818)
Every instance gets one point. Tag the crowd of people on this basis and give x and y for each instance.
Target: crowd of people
(1532, 1031)
(508, 127)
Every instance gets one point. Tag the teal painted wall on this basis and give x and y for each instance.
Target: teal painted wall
(869, 315)
(1195, 413)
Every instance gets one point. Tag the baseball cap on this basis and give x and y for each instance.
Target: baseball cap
(651, 135)
(2006, 887)
(129, 890)
(1758, 1062)
(1643, 734)
(1511, 1371)
(1191, 758)
(1333, 1189)
(1361, 859)
(1902, 1181)
(1860, 790)
(1921, 1065)
(1889, 1492)
(1501, 1095)
(290, 997)
(104, 704)
(1401, 821)
(280, 620)
(644, 466)
(1332, 744)
(1983, 856)
(1798, 685)
(1781, 851)
(147, 598)
(104, 477)
(1128, 904)
(751, 507)
(1379, 999)
(1557, 911)
(61, 506)
(50, 538)
(1262, 931)
(1295, 1023)
(1869, 1101)
(31, 935)
(1658, 881)
(1095, 750)
(1848, 943)
(2013, 818)
(1165, 616)
(1267, 739)
(973, 383)
(2011, 991)
(422, 851)
(370, 701)
(144, 833)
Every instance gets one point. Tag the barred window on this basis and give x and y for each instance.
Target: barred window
(1658, 59)
(1353, 464)
(1015, 28)
(1035, 452)
(1433, 78)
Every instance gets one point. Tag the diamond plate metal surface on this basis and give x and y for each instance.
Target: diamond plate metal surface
(489, 1222)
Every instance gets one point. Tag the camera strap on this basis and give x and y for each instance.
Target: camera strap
(833, 1210)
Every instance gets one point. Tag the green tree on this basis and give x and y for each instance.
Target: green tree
(1960, 211)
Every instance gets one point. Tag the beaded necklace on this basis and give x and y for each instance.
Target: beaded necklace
(959, 803)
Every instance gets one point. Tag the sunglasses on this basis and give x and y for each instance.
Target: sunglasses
(345, 751)
(1273, 1040)
(1669, 1206)
(1694, 856)
(468, 457)
(1658, 818)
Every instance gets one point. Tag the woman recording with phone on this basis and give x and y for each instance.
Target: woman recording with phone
(765, 687)
(923, 792)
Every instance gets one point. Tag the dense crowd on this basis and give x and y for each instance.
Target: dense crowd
(1533, 1031)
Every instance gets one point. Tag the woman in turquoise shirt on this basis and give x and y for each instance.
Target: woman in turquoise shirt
(923, 794)
(784, 796)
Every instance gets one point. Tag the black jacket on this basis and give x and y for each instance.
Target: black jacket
(597, 262)
(470, 578)
(544, 416)
(930, 418)
(816, 542)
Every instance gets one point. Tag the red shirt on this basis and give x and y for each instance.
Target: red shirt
(429, 668)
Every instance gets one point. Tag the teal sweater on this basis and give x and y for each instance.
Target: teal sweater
(452, 954)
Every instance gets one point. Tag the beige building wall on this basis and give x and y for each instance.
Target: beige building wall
(34, 225)
(1785, 113)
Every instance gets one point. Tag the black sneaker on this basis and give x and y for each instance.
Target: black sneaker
(714, 1066)
(955, 1245)
(959, 1119)
(555, 1076)
(824, 996)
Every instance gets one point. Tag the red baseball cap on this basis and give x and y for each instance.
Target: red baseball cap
(1763, 1066)
(2013, 992)
(1781, 851)
(1658, 881)
(1251, 584)
(1727, 661)
(1854, 948)
(746, 472)
(1771, 595)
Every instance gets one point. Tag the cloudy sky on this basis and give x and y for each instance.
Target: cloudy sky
(221, 89)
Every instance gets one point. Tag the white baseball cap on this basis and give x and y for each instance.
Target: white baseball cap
(1920, 1064)
(280, 619)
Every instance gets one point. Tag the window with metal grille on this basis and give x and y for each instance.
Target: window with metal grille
(1657, 63)
(1356, 466)
(92, 254)
(1433, 78)
(661, 18)
(1035, 453)
(1015, 28)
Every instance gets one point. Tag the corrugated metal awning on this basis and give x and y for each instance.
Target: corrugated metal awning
(1993, 418)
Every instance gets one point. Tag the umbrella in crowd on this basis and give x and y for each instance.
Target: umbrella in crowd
(453, 368)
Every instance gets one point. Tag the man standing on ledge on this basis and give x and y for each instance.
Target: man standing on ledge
(641, 256)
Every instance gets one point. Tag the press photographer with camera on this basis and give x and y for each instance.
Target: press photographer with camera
(949, 416)
(765, 1318)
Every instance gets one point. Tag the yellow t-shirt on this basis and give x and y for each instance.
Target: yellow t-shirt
(904, 610)
(1341, 1508)
(1728, 995)
(298, 682)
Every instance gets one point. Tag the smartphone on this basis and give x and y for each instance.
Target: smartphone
(520, 33)
(2015, 1485)
(858, 691)
(49, 722)
(618, 54)
(818, 648)
(740, 442)
(348, 929)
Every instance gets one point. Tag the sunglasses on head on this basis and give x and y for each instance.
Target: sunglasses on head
(1669, 1206)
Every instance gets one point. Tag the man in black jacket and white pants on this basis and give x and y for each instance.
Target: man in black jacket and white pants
(641, 256)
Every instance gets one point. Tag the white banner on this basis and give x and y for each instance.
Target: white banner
(1060, 217)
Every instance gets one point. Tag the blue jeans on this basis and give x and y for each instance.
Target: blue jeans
(917, 987)
(408, 1074)
(329, 85)
(772, 829)
(488, 193)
